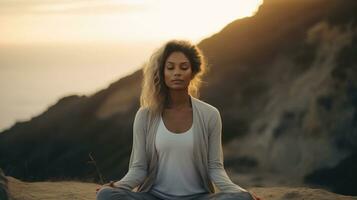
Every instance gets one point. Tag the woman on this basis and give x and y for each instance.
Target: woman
(177, 151)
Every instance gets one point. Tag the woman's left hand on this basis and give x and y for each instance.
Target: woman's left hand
(255, 197)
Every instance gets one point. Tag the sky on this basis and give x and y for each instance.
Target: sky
(50, 49)
(93, 21)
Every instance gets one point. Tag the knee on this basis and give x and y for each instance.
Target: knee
(104, 193)
(236, 196)
(246, 196)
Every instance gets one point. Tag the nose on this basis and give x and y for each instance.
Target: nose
(177, 72)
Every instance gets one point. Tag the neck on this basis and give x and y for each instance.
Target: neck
(178, 99)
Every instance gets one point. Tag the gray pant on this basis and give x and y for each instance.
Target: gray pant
(107, 193)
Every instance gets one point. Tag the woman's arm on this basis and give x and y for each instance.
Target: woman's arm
(138, 163)
(216, 169)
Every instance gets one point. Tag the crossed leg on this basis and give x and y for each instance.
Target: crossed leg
(227, 196)
(108, 193)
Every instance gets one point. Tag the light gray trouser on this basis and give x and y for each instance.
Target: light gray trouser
(107, 193)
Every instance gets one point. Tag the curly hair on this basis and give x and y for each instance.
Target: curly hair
(154, 94)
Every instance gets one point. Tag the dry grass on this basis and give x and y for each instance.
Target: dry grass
(73, 190)
(64, 190)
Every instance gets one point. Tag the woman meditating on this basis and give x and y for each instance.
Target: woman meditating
(177, 150)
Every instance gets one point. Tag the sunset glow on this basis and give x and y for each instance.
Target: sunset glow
(46, 21)
(55, 48)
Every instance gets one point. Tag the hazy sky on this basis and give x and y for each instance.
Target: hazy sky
(54, 48)
(68, 21)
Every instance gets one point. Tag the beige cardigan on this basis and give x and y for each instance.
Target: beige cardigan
(207, 151)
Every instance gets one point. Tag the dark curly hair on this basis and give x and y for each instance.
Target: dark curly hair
(154, 90)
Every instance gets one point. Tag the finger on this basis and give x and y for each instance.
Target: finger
(254, 196)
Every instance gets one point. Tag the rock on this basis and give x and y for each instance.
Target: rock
(4, 194)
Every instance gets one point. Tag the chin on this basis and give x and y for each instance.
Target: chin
(177, 88)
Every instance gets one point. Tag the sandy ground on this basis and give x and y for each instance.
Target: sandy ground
(73, 190)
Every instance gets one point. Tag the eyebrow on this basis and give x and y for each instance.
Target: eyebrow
(174, 62)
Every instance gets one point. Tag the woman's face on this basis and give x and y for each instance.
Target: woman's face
(177, 71)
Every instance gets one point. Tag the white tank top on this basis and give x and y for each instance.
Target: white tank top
(177, 175)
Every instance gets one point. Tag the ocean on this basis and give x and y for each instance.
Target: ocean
(34, 76)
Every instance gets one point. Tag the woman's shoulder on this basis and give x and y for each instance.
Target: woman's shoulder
(142, 111)
(205, 107)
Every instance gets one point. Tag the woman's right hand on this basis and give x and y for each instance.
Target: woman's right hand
(110, 184)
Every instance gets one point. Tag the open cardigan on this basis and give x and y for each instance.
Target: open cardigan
(208, 153)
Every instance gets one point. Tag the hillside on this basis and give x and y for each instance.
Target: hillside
(288, 76)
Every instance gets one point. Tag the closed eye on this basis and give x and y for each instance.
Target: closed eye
(184, 65)
(169, 66)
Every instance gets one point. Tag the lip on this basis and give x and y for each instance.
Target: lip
(177, 80)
